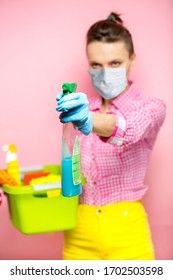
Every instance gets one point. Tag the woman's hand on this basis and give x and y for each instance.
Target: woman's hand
(74, 108)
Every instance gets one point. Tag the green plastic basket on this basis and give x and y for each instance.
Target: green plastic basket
(32, 212)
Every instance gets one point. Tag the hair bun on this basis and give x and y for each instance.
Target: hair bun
(115, 17)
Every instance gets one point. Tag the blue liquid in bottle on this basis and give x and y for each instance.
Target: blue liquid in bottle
(68, 187)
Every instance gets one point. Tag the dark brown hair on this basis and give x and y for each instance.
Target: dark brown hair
(111, 30)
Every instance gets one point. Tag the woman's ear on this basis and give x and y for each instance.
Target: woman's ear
(133, 60)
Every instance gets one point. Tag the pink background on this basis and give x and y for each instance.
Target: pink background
(42, 45)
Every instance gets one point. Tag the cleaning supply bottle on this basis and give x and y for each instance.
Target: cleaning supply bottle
(71, 169)
(12, 162)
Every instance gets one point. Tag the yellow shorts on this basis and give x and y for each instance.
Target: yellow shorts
(118, 231)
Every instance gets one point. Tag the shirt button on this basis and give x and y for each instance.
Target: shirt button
(95, 182)
(99, 211)
(126, 212)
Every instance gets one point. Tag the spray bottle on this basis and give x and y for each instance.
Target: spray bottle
(71, 169)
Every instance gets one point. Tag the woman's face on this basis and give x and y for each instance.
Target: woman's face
(109, 55)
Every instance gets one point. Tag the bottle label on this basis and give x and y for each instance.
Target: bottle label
(76, 166)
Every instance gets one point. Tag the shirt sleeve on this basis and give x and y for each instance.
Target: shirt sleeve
(144, 121)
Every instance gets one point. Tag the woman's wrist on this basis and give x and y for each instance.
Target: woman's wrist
(103, 124)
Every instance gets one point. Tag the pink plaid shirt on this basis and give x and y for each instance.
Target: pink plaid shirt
(115, 167)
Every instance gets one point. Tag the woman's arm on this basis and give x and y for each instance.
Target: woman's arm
(103, 124)
(74, 108)
(142, 122)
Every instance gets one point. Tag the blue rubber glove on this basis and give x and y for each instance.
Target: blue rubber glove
(74, 108)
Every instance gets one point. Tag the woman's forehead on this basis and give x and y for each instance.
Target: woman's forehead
(103, 50)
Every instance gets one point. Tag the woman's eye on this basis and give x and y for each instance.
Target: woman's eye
(116, 63)
(95, 65)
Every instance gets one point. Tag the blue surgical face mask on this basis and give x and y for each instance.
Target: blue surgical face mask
(109, 82)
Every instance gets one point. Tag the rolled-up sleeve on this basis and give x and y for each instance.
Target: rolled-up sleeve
(143, 121)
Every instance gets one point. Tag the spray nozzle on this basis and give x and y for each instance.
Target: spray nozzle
(69, 88)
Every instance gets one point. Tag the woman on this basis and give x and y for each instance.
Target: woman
(121, 127)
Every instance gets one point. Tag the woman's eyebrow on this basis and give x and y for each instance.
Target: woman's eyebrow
(115, 60)
(94, 62)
